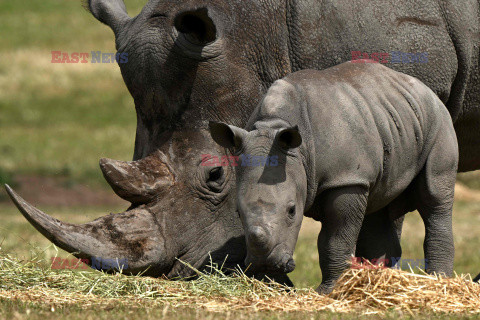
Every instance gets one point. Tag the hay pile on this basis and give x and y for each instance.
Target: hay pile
(378, 290)
(373, 290)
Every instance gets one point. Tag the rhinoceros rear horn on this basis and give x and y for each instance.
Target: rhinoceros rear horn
(131, 237)
(138, 181)
(113, 13)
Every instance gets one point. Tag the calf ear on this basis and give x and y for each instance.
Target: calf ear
(225, 135)
(113, 13)
(289, 138)
(197, 26)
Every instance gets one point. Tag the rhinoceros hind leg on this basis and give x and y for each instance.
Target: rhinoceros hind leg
(435, 190)
(379, 238)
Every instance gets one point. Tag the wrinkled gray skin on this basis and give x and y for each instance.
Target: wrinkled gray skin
(352, 140)
(195, 60)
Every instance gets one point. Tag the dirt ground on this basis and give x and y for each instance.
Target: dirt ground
(59, 192)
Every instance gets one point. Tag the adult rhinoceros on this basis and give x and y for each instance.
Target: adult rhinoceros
(196, 60)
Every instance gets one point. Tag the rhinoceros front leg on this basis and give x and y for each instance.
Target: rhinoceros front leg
(342, 214)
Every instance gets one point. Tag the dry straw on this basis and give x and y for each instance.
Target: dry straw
(370, 290)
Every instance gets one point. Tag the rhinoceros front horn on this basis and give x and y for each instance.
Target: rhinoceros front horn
(131, 237)
(138, 181)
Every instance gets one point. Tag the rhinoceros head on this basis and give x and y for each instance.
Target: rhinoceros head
(188, 62)
(271, 191)
(181, 212)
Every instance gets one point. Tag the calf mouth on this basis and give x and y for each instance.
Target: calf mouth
(282, 266)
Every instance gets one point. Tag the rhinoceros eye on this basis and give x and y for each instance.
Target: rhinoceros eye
(158, 16)
(215, 174)
(215, 179)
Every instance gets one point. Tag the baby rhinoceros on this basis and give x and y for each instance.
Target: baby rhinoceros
(348, 142)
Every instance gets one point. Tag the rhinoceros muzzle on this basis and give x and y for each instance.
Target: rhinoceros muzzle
(277, 262)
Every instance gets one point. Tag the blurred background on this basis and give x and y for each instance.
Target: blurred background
(57, 120)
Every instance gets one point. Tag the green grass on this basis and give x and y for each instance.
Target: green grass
(163, 312)
(55, 25)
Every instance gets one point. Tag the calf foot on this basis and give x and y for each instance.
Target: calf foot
(324, 289)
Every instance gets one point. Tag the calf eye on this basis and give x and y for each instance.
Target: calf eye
(291, 211)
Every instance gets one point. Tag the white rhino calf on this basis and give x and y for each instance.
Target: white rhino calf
(352, 140)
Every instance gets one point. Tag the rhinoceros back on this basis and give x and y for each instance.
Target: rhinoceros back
(368, 124)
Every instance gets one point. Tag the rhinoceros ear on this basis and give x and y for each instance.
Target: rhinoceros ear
(289, 138)
(197, 26)
(225, 135)
(113, 13)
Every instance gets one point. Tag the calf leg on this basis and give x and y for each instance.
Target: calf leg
(342, 214)
(436, 186)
